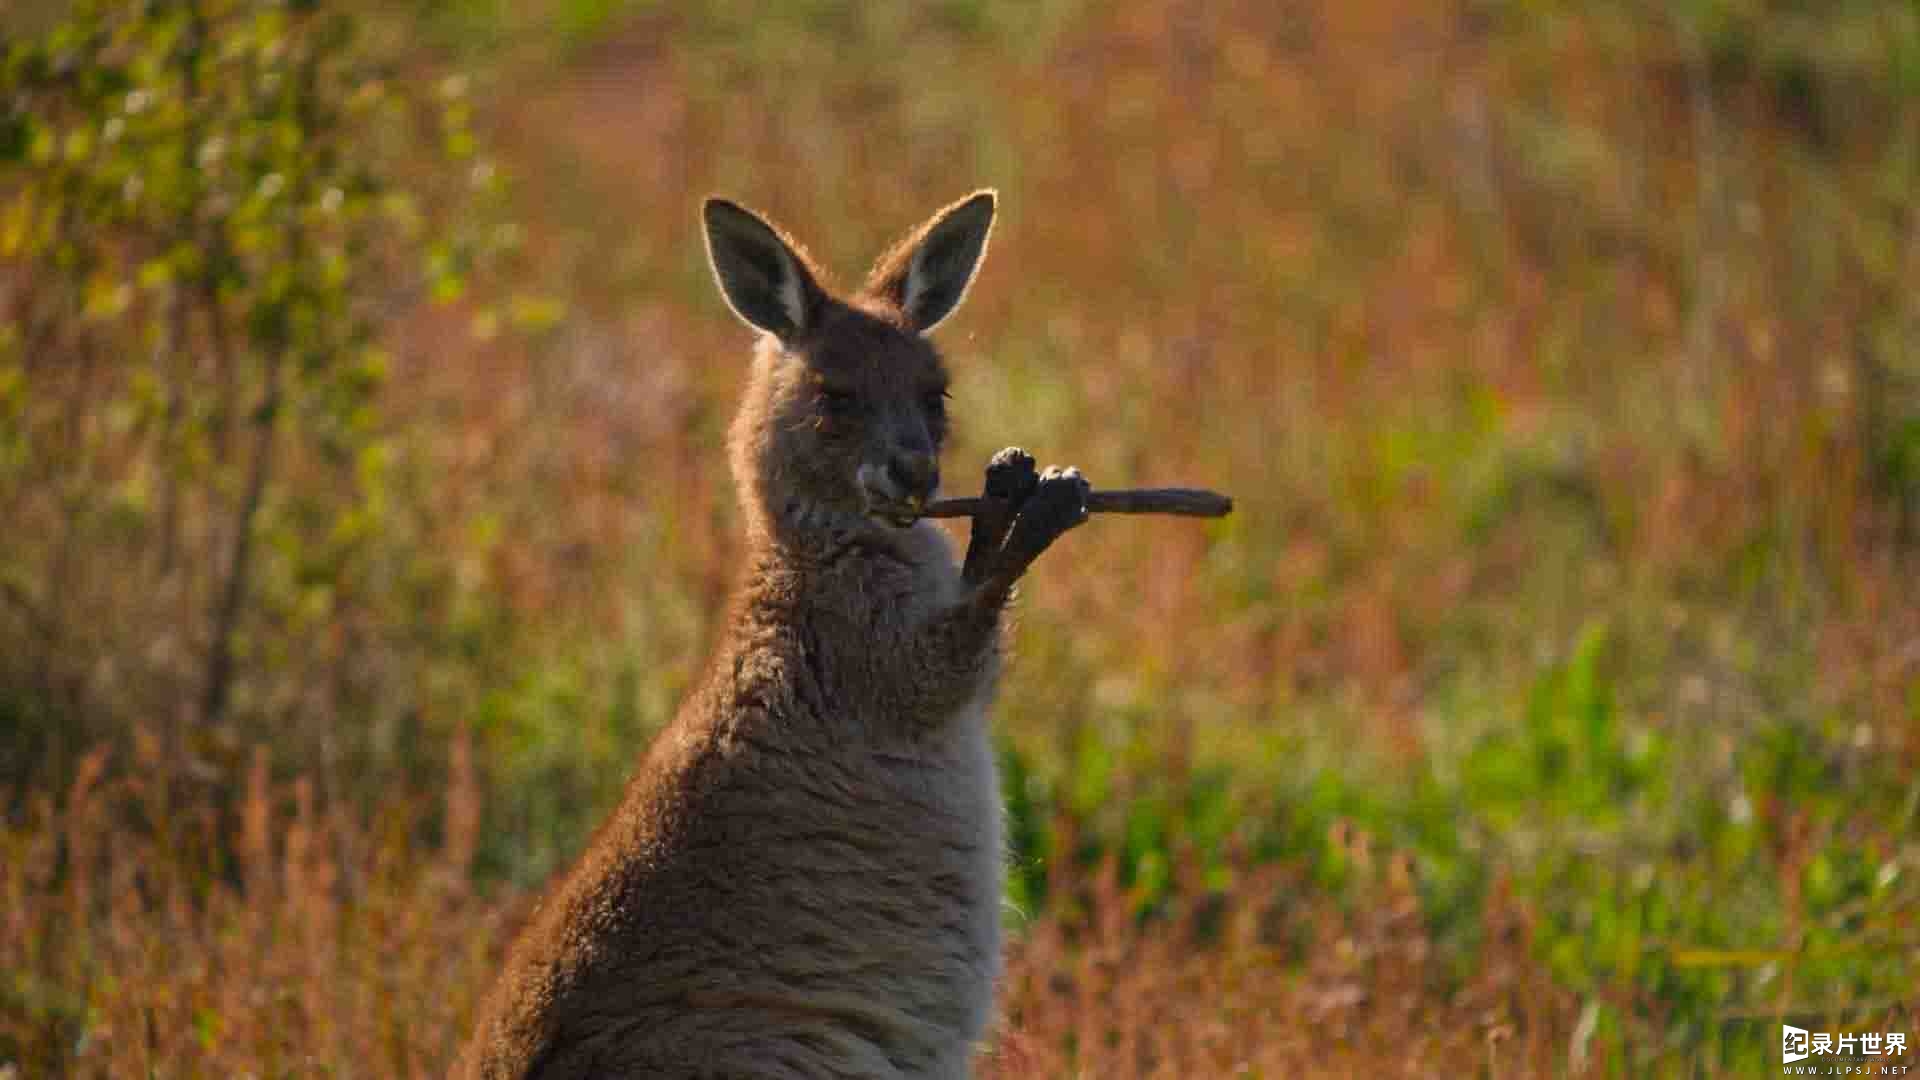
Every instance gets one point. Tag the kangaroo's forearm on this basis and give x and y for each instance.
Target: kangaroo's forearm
(955, 651)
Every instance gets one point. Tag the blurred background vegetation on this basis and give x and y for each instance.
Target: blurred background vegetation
(1551, 703)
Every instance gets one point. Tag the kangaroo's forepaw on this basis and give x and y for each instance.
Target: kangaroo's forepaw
(1011, 476)
(1058, 504)
(1011, 480)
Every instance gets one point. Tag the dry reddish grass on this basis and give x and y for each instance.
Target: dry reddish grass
(1262, 978)
(147, 934)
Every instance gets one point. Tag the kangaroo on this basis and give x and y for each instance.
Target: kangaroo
(803, 878)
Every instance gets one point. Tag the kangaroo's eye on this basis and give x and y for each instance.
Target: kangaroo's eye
(936, 403)
(839, 404)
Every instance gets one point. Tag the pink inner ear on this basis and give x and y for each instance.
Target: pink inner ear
(939, 275)
(792, 300)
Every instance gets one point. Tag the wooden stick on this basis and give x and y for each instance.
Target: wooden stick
(1187, 502)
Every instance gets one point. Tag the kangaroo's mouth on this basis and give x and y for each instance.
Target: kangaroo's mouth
(885, 502)
(898, 513)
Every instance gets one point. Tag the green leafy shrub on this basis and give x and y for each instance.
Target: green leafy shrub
(211, 213)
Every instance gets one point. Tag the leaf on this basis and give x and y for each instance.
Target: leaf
(16, 135)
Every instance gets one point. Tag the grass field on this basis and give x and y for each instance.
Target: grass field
(1550, 704)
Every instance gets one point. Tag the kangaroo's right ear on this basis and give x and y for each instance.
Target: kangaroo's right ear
(764, 278)
(927, 274)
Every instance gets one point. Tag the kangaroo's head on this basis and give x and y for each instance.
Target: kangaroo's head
(845, 413)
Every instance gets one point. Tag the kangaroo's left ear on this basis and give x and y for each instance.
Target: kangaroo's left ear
(764, 277)
(926, 274)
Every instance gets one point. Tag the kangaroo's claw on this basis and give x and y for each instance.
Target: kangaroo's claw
(1011, 479)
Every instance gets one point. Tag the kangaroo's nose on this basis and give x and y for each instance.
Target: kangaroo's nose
(914, 473)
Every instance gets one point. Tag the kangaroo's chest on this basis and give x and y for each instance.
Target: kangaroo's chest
(859, 867)
(948, 847)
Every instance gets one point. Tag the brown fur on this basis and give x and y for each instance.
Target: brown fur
(803, 878)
